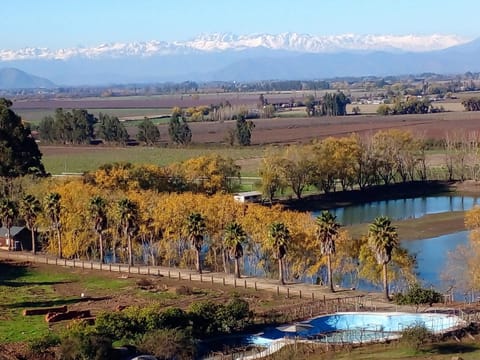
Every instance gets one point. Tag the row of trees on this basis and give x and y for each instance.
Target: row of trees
(78, 126)
(194, 230)
(348, 162)
(410, 105)
(331, 104)
(471, 104)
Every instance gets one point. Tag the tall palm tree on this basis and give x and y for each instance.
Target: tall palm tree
(98, 213)
(383, 239)
(279, 237)
(8, 213)
(30, 207)
(53, 207)
(128, 215)
(195, 231)
(234, 239)
(327, 233)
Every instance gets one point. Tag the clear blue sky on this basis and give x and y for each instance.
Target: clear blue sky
(71, 23)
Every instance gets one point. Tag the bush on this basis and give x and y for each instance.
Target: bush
(168, 344)
(80, 345)
(415, 336)
(43, 344)
(417, 296)
(203, 315)
(174, 318)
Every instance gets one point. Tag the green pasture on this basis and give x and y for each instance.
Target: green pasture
(65, 159)
(33, 116)
(444, 350)
(24, 287)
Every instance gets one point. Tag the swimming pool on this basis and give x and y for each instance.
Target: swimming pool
(359, 327)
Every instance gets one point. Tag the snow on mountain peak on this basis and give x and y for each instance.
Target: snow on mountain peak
(227, 41)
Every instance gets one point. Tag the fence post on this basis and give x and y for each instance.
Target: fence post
(255, 286)
(83, 265)
(300, 293)
(190, 277)
(169, 274)
(201, 278)
(278, 290)
(313, 296)
(245, 282)
(288, 293)
(234, 282)
(212, 279)
(56, 261)
(179, 276)
(158, 272)
(110, 267)
(223, 279)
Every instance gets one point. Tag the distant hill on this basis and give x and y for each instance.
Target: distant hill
(12, 78)
(231, 58)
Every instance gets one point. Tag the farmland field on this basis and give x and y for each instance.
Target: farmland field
(210, 137)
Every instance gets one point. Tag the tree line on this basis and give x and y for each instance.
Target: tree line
(87, 221)
(79, 127)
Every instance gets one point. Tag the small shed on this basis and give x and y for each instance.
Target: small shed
(21, 238)
(248, 196)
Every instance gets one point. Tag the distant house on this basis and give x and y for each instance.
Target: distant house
(248, 196)
(21, 238)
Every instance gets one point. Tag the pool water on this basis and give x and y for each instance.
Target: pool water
(361, 327)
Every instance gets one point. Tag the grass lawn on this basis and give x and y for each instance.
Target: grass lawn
(58, 159)
(23, 287)
(468, 350)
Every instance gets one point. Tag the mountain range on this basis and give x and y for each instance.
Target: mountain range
(231, 57)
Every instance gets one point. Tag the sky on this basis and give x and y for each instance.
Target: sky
(59, 24)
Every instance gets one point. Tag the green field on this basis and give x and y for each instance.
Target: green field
(34, 116)
(23, 287)
(81, 159)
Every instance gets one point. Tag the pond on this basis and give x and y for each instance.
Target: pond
(432, 256)
(401, 209)
(432, 253)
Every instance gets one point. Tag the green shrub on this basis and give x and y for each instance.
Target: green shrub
(415, 336)
(44, 343)
(84, 345)
(174, 318)
(168, 344)
(203, 315)
(417, 296)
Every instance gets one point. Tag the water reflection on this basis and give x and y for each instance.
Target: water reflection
(432, 256)
(401, 209)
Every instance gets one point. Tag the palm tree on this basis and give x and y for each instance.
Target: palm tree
(234, 239)
(128, 214)
(30, 207)
(98, 213)
(327, 233)
(279, 237)
(52, 207)
(383, 239)
(8, 213)
(195, 231)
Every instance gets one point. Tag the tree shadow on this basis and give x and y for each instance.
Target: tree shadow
(451, 348)
(54, 303)
(11, 271)
(17, 284)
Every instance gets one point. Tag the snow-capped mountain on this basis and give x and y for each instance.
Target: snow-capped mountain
(228, 57)
(302, 43)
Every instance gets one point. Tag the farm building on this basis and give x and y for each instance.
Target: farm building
(21, 238)
(248, 196)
